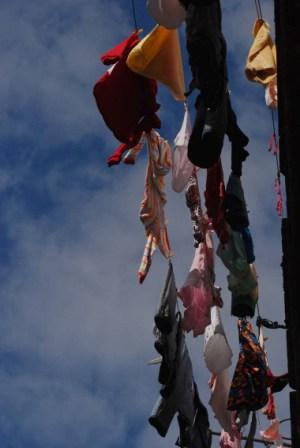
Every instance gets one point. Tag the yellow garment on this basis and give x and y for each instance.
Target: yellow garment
(261, 62)
(158, 57)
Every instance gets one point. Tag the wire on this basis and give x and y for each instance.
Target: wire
(134, 14)
(258, 9)
(263, 442)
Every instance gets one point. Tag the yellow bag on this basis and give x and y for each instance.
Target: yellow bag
(158, 57)
(261, 62)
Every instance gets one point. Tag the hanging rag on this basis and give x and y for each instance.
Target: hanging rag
(236, 213)
(193, 202)
(126, 101)
(217, 352)
(272, 434)
(220, 386)
(152, 206)
(165, 317)
(199, 293)
(182, 398)
(249, 387)
(158, 56)
(261, 60)
(168, 13)
(182, 168)
(214, 200)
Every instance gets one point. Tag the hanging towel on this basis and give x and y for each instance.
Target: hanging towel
(182, 168)
(158, 57)
(217, 352)
(152, 206)
(168, 13)
(261, 61)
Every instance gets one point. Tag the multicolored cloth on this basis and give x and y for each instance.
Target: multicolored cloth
(249, 387)
(152, 206)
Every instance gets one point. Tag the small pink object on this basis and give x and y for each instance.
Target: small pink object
(272, 434)
(279, 202)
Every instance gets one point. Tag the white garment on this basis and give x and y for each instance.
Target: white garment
(217, 352)
(182, 168)
(168, 13)
(218, 401)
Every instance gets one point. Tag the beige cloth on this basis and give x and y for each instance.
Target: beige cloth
(158, 56)
(168, 13)
(261, 62)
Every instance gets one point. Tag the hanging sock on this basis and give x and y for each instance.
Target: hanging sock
(168, 13)
(165, 317)
(152, 206)
(238, 141)
(182, 168)
(158, 57)
(236, 213)
(126, 101)
(249, 387)
(252, 431)
(261, 61)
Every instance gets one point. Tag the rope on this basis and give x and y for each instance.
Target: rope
(265, 443)
(134, 14)
(258, 9)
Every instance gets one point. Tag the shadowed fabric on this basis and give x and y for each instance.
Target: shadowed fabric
(168, 13)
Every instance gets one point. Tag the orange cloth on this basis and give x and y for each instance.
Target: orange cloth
(152, 206)
(158, 57)
(261, 62)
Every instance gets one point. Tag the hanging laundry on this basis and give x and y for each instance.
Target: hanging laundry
(133, 153)
(238, 142)
(165, 317)
(182, 168)
(220, 386)
(152, 206)
(214, 200)
(217, 352)
(242, 280)
(249, 387)
(226, 440)
(236, 213)
(126, 101)
(168, 13)
(182, 398)
(199, 293)
(158, 57)
(261, 60)
(193, 202)
(271, 94)
(272, 434)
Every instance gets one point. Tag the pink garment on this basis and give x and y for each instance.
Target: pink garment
(271, 94)
(182, 168)
(198, 292)
(227, 442)
(220, 387)
(272, 434)
(152, 206)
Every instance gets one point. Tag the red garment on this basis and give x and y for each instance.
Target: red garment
(126, 100)
(214, 200)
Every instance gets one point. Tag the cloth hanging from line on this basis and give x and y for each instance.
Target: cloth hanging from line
(182, 168)
(158, 56)
(168, 13)
(152, 207)
(261, 61)
(126, 101)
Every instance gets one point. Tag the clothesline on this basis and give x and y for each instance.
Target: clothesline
(215, 433)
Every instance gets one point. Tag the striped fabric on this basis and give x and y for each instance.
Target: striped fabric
(152, 206)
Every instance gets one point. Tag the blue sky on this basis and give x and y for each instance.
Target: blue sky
(76, 328)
